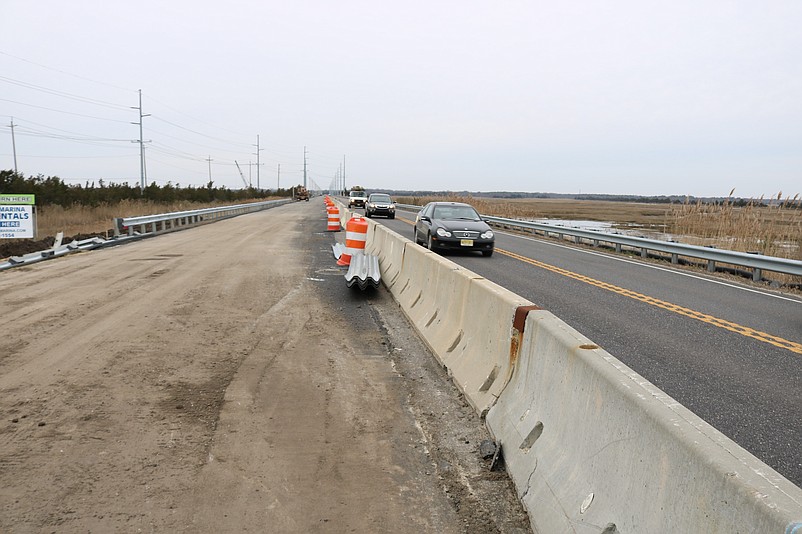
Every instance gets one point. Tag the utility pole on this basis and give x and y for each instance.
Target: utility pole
(14, 145)
(258, 183)
(304, 166)
(141, 145)
(278, 178)
(343, 172)
(209, 159)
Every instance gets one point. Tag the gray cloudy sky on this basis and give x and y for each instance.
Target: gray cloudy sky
(633, 96)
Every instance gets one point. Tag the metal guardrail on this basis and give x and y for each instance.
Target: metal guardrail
(61, 250)
(363, 271)
(125, 230)
(757, 262)
(166, 222)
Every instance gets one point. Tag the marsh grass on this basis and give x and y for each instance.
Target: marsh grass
(774, 229)
(618, 213)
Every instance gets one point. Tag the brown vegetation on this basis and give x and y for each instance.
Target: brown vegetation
(774, 229)
(82, 221)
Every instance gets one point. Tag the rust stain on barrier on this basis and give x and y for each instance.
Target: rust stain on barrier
(764, 337)
(518, 323)
(520, 316)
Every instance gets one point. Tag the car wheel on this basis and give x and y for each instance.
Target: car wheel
(487, 253)
(430, 242)
(391, 217)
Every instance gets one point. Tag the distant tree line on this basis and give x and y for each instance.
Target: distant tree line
(52, 190)
(792, 202)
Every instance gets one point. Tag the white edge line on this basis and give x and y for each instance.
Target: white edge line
(672, 271)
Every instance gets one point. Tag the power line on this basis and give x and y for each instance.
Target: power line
(173, 152)
(65, 72)
(61, 111)
(62, 94)
(195, 118)
(197, 133)
(28, 121)
(112, 156)
(189, 142)
(48, 132)
(45, 135)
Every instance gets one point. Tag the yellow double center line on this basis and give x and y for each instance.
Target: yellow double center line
(668, 306)
(687, 312)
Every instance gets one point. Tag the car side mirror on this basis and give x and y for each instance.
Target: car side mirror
(425, 218)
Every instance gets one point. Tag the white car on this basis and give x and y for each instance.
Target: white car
(357, 199)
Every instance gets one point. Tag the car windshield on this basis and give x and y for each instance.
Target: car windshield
(358, 194)
(380, 198)
(455, 212)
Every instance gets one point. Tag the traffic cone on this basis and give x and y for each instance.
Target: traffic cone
(356, 233)
(333, 219)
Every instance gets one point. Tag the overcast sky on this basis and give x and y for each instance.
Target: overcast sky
(626, 97)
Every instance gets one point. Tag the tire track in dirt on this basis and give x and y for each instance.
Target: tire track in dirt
(207, 381)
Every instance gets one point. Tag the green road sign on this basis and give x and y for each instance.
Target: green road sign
(17, 199)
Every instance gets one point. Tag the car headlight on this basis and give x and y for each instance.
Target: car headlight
(487, 235)
(442, 232)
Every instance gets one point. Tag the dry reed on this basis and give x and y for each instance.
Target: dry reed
(85, 220)
(774, 229)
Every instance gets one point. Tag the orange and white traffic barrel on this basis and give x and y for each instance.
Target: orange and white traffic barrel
(333, 219)
(356, 233)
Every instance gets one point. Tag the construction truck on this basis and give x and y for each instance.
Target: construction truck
(302, 193)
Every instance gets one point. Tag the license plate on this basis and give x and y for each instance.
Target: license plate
(466, 242)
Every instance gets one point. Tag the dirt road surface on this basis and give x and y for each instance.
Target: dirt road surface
(224, 379)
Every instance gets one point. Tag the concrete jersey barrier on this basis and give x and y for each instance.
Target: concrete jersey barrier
(590, 445)
(594, 447)
(464, 319)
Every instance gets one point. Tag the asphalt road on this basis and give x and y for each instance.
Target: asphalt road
(729, 351)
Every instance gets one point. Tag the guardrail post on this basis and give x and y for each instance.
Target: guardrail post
(707, 253)
(757, 274)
